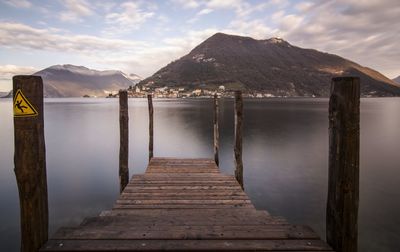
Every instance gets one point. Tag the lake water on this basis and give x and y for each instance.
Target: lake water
(285, 154)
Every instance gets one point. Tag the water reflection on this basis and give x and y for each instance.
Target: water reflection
(285, 158)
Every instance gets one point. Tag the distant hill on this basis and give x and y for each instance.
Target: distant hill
(272, 65)
(397, 79)
(77, 81)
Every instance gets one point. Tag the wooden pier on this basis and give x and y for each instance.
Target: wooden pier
(184, 205)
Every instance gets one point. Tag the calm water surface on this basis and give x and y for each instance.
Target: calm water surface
(285, 158)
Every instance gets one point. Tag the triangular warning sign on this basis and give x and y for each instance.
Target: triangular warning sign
(22, 106)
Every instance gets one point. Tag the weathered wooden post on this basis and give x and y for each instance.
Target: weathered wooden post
(216, 130)
(30, 161)
(123, 139)
(150, 105)
(238, 137)
(344, 148)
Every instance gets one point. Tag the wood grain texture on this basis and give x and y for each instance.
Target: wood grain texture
(186, 245)
(238, 137)
(216, 130)
(175, 207)
(123, 139)
(151, 125)
(344, 149)
(30, 166)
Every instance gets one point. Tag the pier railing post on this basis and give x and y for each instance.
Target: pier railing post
(344, 147)
(151, 126)
(123, 139)
(238, 137)
(216, 130)
(30, 161)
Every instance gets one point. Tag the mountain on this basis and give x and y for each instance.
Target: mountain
(397, 79)
(272, 66)
(77, 81)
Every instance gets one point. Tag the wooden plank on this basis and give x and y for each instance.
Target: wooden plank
(185, 245)
(182, 183)
(189, 164)
(188, 197)
(129, 218)
(245, 216)
(180, 187)
(182, 206)
(115, 232)
(182, 201)
(179, 193)
(236, 216)
(177, 170)
(237, 213)
(159, 191)
(188, 168)
(155, 177)
(173, 159)
(181, 180)
(131, 221)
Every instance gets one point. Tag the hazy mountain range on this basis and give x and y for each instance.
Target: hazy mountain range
(272, 65)
(77, 81)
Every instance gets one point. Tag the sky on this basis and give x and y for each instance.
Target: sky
(142, 36)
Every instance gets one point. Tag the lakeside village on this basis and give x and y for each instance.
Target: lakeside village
(180, 92)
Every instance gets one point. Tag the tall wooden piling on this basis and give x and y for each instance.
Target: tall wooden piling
(30, 161)
(238, 137)
(123, 139)
(344, 148)
(151, 126)
(216, 130)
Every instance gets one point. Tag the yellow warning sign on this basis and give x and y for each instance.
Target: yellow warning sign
(22, 107)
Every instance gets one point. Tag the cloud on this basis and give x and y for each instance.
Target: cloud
(205, 12)
(17, 35)
(253, 28)
(19, 3)
(187, 4)
(8, 71)
(75, 10)
(150, 59)
(364, 31)
(130, 17)
(199, 14)
(225, 4)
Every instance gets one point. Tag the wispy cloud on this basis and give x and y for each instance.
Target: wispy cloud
(8, 71)
(199, 14)
(130, 16)
(19, 3)
(141, 36)
(187, 4)
(75, 10)
(17, 35)
(354, 29)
